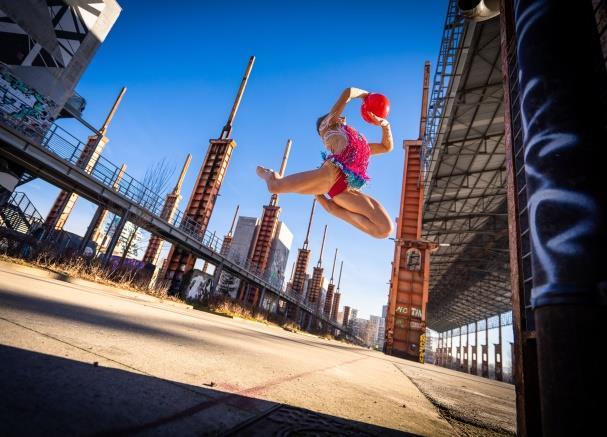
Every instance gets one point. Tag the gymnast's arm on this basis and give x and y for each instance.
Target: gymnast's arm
(387, 143)
(347, 95)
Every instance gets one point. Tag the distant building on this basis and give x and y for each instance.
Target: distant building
(353, 314)
(384, 311)
(241, 241)
(381, 332)
(373, 330)
(279, 254)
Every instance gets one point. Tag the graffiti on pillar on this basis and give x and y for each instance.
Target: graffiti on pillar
(554, 145)
(399, 323)
(401, 310)
(200, 287)
(416, 312)
(414, 259)
(416, 325)
(23, 108)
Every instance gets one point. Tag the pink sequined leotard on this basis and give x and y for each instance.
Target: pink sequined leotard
(352, 161)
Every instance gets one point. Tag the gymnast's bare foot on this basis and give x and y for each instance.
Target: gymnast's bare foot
(268, 175)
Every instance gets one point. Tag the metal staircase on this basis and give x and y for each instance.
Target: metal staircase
(20, 215)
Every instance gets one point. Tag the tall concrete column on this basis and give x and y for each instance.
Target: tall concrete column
(115, 237)
(330, 292)
(406, 317)
(64, 204)
(227, 239)
(498, 351)
(474, 369)
(466, 367)
(485, 352)
(95, 226)
(301, 266)
(205, 192)
(563, 85)
(261, 245)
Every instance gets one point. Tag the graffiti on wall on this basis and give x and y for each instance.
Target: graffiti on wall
(23, 108)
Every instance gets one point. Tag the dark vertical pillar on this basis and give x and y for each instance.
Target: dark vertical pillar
(498, 352)
(563, 87)
(466, 368)
(458, 350)
(485, 352)
(474, 369)
(115, 237)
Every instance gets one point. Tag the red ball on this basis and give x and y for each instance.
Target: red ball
(378, 104)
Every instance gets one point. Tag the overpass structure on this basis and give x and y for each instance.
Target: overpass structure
(54, 157)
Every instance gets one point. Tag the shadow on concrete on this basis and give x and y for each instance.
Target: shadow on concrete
(49, 395)
(51, 308)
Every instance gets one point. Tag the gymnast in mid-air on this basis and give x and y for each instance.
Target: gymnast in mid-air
(344, 170)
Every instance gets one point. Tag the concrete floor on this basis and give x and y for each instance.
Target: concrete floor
(86, 359)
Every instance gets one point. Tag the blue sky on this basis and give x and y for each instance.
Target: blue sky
(182, 66)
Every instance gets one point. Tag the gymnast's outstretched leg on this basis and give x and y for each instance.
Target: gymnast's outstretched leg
(317, 181)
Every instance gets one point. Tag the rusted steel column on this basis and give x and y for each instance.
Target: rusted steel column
(206, 189)
(315, 283)
(227, 239)
(266, 232)
(301, 266)
(65, 201)
(94, 229)
(525, 353)
(345, 321)
(563, 87)
(200, 206)
(406, 317)
(330, 291)
(337, 296)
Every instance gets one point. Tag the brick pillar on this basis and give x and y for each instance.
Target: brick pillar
(65, 201)
(335, 307)
(262, 245)
(406, 317)
(200, 206)
(155, 244)
(328, 301)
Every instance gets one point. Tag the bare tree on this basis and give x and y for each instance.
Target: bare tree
(155, 180)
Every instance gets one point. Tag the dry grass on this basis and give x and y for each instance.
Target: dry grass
(76, 266)
(94, 271)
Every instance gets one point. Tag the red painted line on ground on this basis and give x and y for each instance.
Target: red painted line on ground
(222, 400)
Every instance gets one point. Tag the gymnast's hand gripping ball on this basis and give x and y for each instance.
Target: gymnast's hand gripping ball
(377, 104)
